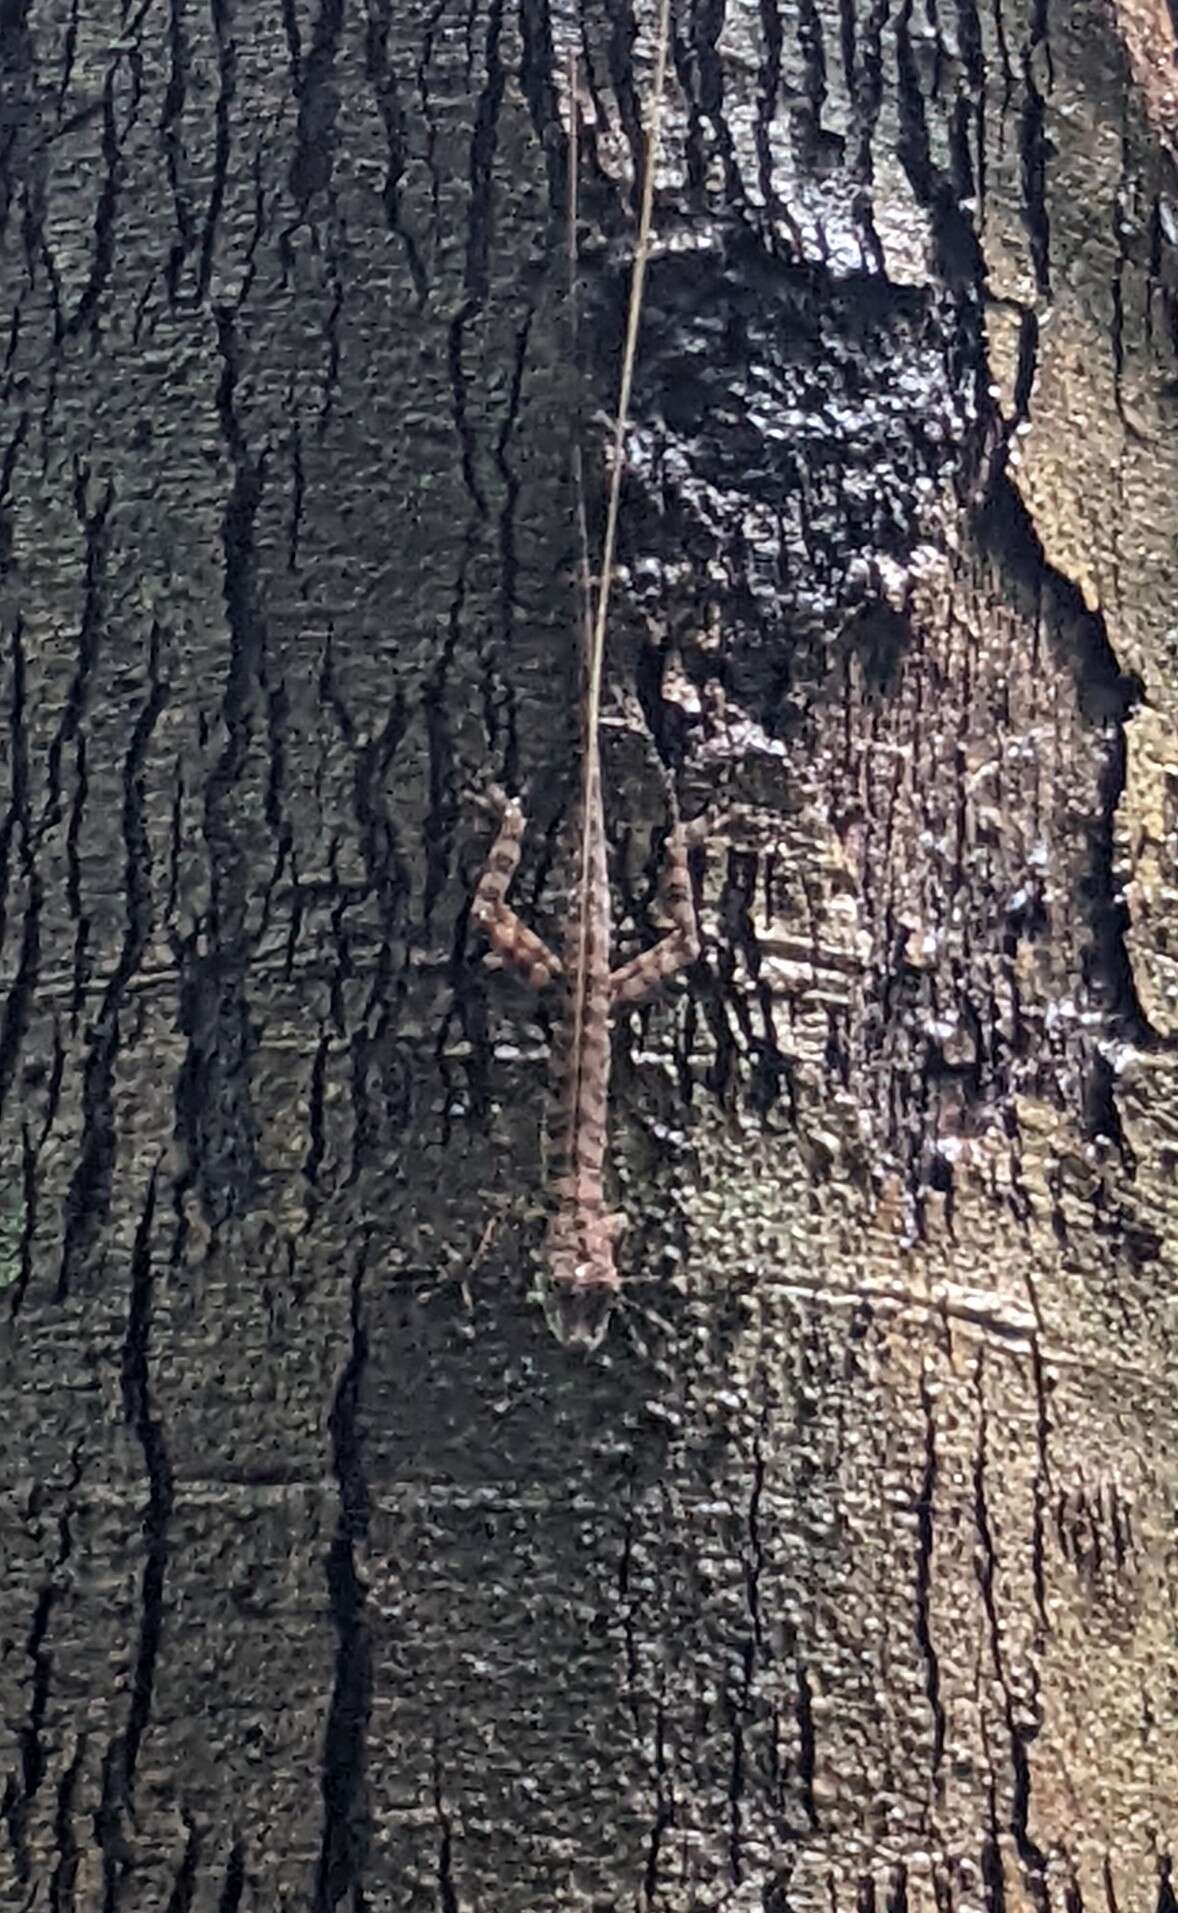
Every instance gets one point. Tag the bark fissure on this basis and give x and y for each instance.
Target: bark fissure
(926, 1501)
(86, 312)
(182, 1897)
(21, 995)
(1033, 154)
(664, 1814)
(318, 101)
(82, 964)
(441, 809)
(121, 1759)
(509, 477)
(313, 1159)
(222, 16)
(171, 137)
(1042, 1485)
(813, 50)
(768, 90)
(233, 1889)
(381, 76)
(629, 1629)
(447, 1892)
(346, 1811)
(88, 1199)
(67, 1850)
(807, 1741)
(214, 1108)
(1019, 1733)
(736, 1787)
(754, 1552)
(463, 431)
(484, 140)
(20, 1789)
(959, 253)
(96, 540)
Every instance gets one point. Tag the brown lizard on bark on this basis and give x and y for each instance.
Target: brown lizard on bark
(582, 1231)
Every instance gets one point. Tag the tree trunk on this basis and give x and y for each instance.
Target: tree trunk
(842, 1573)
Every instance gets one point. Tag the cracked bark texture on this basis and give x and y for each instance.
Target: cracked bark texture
(843, 1575)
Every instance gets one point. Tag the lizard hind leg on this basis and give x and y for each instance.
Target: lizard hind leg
(634, 982)
(513, 946)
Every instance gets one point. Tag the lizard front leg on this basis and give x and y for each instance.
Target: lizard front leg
(633, 982)
(513, 945)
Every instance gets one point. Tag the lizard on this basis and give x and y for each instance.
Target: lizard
(582, 1232)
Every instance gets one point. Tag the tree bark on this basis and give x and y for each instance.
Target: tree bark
(842, 1574)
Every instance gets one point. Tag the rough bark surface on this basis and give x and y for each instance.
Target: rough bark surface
(844, 1574)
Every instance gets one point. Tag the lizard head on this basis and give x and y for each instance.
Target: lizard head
(582, 1279)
